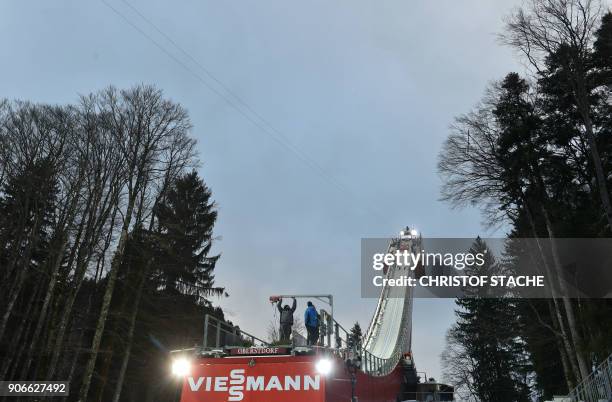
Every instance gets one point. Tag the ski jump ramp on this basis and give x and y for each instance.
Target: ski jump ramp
(389, 335)
(337, 371)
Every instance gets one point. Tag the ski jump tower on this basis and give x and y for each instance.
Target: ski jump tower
(235, 366)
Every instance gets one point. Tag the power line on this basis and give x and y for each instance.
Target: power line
(237, 103)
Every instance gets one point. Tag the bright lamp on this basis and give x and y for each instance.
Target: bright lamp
(324, 366)
(181, 367)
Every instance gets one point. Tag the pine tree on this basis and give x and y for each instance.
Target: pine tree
(169, 266)
(355, 337)
(538, 156)
(486, 328)
(26, 213)
(185, 223)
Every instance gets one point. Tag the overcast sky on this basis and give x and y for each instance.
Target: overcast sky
(364, 90)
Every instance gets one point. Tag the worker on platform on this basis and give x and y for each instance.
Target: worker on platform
(286, 319)
(311, 321)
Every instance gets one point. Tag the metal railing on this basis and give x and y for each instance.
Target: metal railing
(384, 366)
(597, 387)
(344, 347)
(218, 333)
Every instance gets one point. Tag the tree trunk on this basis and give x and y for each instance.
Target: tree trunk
(107, 359)
(84, 255)
(63, 324)
(108, 294)
(569, 310)
(19, 337)
(43, 312)
(16, 288)
(12, 299)
(581, 95)
(564, 338)
(567, 371)
(130, 337)
(599, 172)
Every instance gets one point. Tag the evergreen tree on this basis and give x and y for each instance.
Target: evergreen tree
(105, 243)
(486, 328)
(355, 337)
(602, 54)
(26, 213)
(186, 216)
(26, 210)
(539, 157)
(168, 267)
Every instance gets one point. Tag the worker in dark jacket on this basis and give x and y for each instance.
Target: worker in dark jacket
(286, 319)
(311, 321)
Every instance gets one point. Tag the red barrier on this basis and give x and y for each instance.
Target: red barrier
(270, 379)
(281, 379)
(367, 388)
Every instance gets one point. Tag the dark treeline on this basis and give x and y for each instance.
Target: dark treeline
(536, 152)
(105, 239)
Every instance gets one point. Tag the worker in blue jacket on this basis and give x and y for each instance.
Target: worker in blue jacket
(311, 321)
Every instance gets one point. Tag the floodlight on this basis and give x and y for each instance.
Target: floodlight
(181, 367)
(324, 366)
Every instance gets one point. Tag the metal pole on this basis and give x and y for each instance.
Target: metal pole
(218, 339)
(331, 304)
(353, 384)
(205, 343)
(330, 328)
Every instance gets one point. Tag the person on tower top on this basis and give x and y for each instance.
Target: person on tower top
(286, 319)
(311, 321)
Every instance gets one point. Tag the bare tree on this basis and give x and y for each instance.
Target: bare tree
(272, 332)
(105, 163)
(543, 28)
(472, 174)
(103, 167)
(144, 126)
(178, 157)
(458, 368)
(71, 175)
(539, 31)
(34, 135)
